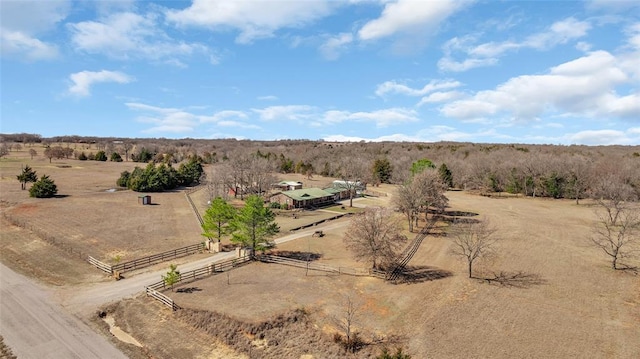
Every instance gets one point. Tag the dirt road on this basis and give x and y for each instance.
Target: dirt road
(85, 300)
(33, 326)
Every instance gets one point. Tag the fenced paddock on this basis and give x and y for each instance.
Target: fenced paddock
(359, 272)
(191, 276)
(147, 261)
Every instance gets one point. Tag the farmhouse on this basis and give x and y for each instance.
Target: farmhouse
(305, 198)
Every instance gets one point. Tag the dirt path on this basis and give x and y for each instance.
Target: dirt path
(35, 327)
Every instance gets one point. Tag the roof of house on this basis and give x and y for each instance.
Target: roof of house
(289, 183)
(307, 193)
(334, 190)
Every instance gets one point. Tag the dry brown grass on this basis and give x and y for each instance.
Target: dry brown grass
(557, 296)
(90, 218)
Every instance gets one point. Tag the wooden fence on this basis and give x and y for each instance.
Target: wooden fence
(321, 221)
(408, 253)
(100, 265)
(162, 298)
(208, 270)
(360, 272)
(157, 258)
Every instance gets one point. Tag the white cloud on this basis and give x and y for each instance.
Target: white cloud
(32, 17)
(222, 116)
(21, 23)
(175, 120)
(254, 19)
(487, 54)
(603, 137)
(238, 124)
(582, 87)
(382, 118)
(286, 113)
(437, 97)
(83, 80)
(613, 5)
(268, 98)
(391, 87)
(17, 43)
(333, 47)
(128, 35)
(409, 16)
(448, 64)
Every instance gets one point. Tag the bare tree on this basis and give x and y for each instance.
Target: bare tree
(4, 150)
(346, 321)
(352, 173)
(473, 241)
(33, 152)
(617, 232)
(407, 203)
(218, 182)
(127, 146)
(374, 237)
(430, 189)
(425, 192)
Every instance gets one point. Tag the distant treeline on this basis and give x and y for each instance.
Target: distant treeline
(557, 171)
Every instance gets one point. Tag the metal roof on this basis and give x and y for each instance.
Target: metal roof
(307, 193)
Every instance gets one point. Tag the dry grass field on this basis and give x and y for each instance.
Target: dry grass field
(564, 302)
(558, 297)
(91, 215)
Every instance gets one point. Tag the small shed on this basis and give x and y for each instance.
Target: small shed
(144, 199)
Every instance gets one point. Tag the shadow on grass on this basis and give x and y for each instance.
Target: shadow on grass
(419, 274)
(629, 269)
(188, 290)
(517, 279)
(302, 256)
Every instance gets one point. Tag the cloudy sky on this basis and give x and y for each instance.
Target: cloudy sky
(557, 72)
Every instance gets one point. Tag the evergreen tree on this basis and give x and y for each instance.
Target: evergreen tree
(421, 165)
(172, 277)
(115, 157)
(216, 219)
(100, 156)
(43, 188)
(445, 175)
(254, 224)
(190, 172)
(382, 170)
(27, 175)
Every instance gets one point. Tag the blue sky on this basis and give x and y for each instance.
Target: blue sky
(555, 72)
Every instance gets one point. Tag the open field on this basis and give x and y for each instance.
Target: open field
(557, 298)
(564, 302)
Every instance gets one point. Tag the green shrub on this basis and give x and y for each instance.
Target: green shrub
(82, 156)
(43, 188)
(115, 157)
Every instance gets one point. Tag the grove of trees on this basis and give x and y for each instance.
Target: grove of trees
(162, 177)
(251, 226)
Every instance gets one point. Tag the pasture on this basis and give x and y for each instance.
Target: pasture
(556, 297)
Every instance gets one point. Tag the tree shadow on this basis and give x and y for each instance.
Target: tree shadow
(517, 279)
(419, 274)
(302, 256)
(61, 196)
(188, 290)
(629, 269)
